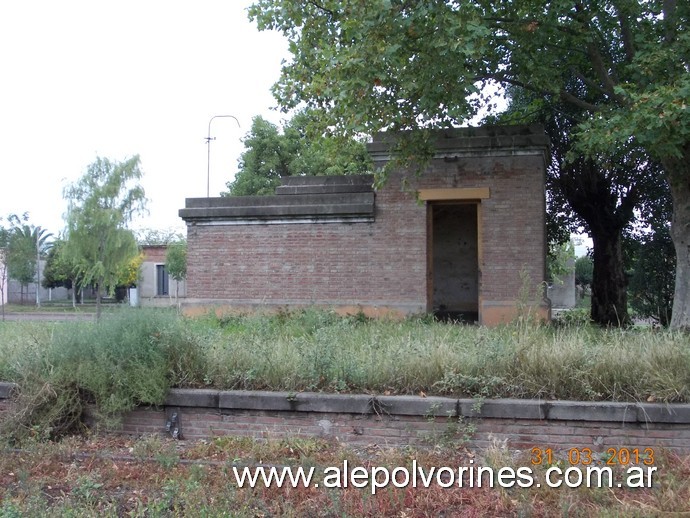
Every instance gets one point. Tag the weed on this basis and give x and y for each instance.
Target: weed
(163, 451)
(71, 370)
(128, 358)
(87, 488)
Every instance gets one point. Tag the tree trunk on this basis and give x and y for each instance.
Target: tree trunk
(678, 171)
(593, 197)
(609, 282)
(98, 302)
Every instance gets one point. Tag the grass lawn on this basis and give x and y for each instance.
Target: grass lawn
(61, 306)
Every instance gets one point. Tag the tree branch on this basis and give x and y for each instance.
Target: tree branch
(626, 36)
(588, 82)
(576, 101)
(669, 10)
(563, 95)
(529, 21)
(600, 69)
(321, 8)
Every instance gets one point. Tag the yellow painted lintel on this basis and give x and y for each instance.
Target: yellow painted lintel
(476, 193)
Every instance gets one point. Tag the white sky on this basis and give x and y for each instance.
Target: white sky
(88, 78)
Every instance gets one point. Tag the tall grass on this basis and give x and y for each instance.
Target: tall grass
(134, 356)
(126, 359)
(319, 351)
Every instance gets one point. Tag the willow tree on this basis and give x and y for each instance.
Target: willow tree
(100, 206)
(406, 65)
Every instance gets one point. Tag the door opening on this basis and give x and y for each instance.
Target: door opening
(454, 261)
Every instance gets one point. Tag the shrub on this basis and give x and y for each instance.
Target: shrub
(128, 358)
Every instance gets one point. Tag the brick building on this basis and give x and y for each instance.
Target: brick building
(465, 239)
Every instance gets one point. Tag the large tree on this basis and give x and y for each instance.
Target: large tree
(100, 206)
(270, 155)
(604, 195)
(607, 195)
(398, 64)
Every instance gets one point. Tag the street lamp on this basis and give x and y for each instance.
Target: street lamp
(208, 143)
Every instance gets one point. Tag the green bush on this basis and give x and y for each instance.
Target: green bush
(128, 358)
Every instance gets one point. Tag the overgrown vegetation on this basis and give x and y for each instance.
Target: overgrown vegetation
(134, 356)
(153, 477)
(70, 370)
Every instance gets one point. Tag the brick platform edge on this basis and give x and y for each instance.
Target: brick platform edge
(412, 420)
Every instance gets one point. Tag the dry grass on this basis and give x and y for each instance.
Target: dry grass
(157, 477)
(135, 356)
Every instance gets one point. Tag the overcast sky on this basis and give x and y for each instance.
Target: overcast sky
(89, 78)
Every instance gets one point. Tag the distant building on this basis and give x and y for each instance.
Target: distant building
(156, 287)
(561, 291)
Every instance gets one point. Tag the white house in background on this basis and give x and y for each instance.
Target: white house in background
(156, 287)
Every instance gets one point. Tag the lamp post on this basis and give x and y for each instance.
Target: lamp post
(38, 270)
(208, 144)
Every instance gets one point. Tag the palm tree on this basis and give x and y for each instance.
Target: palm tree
(27, 245)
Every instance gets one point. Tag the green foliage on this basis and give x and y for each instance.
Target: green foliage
(653, 278)
(320, 351)
(299, 150)
(400, 65)
(176, 260)
(583, 270)
(131, 357)
(153, 236)
(21, 258)
(620, 70)
(101, 204)
(67, 371)
(575, 317)
(130, 272)
(654, 105)
(24, 243)
(58, 270)
(559, 260)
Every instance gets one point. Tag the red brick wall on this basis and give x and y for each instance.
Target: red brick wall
(419, 430)
(382, 263)
(154, 253)
(411, 420)
(513, 219)
(322, 263)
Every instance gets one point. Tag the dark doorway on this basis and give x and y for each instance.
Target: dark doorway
(162, 281)
(454, 261)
